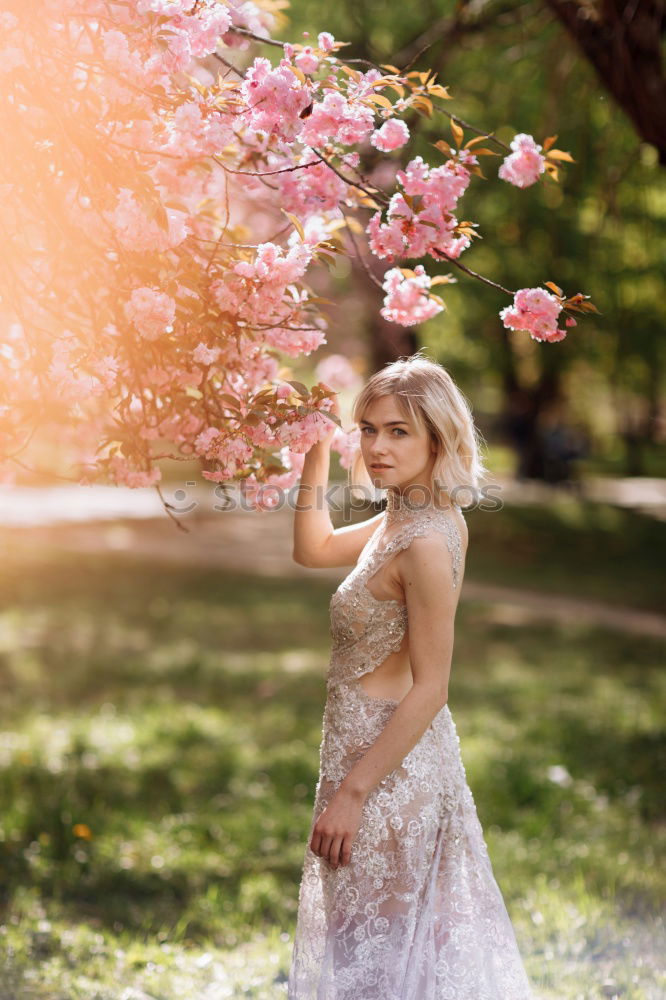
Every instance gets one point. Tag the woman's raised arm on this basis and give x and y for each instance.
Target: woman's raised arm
(317, 543)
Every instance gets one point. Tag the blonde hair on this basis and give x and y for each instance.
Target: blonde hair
(426, 394)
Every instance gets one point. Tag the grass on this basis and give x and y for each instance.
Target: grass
(586, 550)
(159, 756)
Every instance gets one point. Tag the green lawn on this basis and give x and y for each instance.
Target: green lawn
(582, 549)
(159, 753)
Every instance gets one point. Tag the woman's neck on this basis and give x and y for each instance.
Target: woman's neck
(401, 505)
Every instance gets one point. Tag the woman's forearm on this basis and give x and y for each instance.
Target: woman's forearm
(400, 735)
(312, 520)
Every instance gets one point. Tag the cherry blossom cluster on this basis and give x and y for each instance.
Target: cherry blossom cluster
(162, 211)
(420, 217)
(407, 296)
(536, 311)
(525, 164)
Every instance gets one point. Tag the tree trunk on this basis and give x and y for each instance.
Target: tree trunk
(389, 341)
(622, 40)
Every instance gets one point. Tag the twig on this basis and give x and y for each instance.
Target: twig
(167, 507)
(375, 195)
(264, 173)
(472, 274)
(364, 263)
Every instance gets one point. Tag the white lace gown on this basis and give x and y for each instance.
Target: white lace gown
(417, 913)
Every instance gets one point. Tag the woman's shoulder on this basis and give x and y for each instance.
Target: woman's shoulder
(437, 532)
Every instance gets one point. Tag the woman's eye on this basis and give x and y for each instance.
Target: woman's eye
(401, 432)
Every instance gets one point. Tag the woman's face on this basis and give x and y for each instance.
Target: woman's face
(396, 452)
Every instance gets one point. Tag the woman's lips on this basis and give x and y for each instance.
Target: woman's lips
(380, 466)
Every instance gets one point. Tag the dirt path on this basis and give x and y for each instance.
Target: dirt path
(261, 543)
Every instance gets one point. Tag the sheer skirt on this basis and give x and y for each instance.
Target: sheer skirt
(417, 913)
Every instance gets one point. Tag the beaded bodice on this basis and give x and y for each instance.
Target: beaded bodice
(364, 628)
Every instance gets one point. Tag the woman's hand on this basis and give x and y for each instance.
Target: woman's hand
(333, 406)
(335, 830)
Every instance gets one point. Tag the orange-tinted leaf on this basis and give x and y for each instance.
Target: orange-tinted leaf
(295, 223)
(228, 400)
(443, 146)
(554, 288)
(296, 71)
(477, 139)
(299, 387)
(458, 133)
(559, 154)
(422, 105)
(436, 90)
(378, 99)
(547, 143)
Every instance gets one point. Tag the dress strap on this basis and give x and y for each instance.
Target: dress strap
(416, 527)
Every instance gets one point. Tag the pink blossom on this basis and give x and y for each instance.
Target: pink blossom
(536, 311)
(274, 266)
(428, 226)
(315, 230)
(313, 189)
(246, 14)
(204, 355)
(138, 232)
(346, 443)
(301, 434)
(306, 60)
(393, 134)
(205, 28)
(326, 41)
(407, 300)
(151, 312)
(335, 119)
(232, 452)
(295, 342)
(118, 54)
(293, 462)
(335, 370)
(156, 376)
(523, 166)
(275, 98)
(261, 292)
(107, 370)
(121, 471)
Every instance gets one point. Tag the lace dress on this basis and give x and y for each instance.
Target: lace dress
(417, 913)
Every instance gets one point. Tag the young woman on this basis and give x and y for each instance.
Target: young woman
(398, 900)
